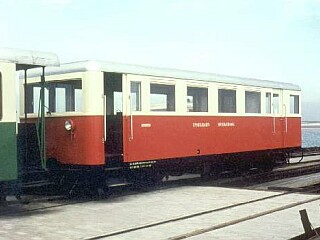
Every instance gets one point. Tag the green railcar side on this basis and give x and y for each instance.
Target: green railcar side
(8, 152)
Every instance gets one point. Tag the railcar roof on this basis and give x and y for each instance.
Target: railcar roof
(104, 66)
(26, 59)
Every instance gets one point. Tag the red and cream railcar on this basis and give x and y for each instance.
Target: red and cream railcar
(125, 116)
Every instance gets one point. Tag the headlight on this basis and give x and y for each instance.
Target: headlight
(68, 125)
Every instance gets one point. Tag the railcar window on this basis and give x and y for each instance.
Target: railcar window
(1, 114)
(268, 102)
(68, 96)
(78, 100)
(227, 101)
(60, 99)
(197, 99)
(294, 104)
(62, 96)
(136, 96)
(33, 98)
(162, 97)
(275, 103)
(253, 102)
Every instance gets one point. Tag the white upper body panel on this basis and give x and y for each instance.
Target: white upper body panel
(92, 77)
(104, 66)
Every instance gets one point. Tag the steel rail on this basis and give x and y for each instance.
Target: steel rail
(210, 211)
(247, 218)
(240, 181)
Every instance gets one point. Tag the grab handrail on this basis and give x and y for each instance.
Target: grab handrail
(285, 117)
(105, 117)
(131, 119)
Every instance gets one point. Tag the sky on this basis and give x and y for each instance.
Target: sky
(267, 39)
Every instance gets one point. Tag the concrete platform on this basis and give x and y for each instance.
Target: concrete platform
(305, 159)
(96, 218)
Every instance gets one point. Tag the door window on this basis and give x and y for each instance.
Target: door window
(275, 103)
(136, 96)
(268, 102)
(294, 104)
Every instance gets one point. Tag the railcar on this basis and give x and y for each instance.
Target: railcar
(11, 61)
(147, 122)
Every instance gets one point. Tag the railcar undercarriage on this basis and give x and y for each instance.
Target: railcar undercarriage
(70, 178)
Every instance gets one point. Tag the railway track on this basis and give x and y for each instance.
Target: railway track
(310, 151)
(254, 176)
(40, 201)
(52, 202)
(236, 221)
(196, 217)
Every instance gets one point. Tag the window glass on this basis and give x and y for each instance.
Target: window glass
(294, 104)
(117, 102)
(62, 96)
(1, 114)
(162, 97)
(60, 100)
(227, 101)
(253, 102)
(275, 103)
(197, 99)
(268, 102)
(36, 99)
(65, 100)
(136, 96)
(78, 100)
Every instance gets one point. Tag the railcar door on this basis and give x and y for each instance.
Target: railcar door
(277, 118)
(291, 119)
(113, 118)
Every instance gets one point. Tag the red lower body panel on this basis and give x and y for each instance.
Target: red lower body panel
(163, 137)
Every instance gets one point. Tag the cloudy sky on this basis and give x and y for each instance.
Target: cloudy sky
(267, 39)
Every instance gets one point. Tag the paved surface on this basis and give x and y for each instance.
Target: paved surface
(100, 218)
(85, 220)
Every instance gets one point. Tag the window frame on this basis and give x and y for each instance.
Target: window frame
(51, 87)
(296, 104)
(139, 109)
(246, 103)
(206, 108)
(235, 100)
(268, 103)
(279, 110)
(170, 108)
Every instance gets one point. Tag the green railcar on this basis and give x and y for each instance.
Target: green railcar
(12, 61)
